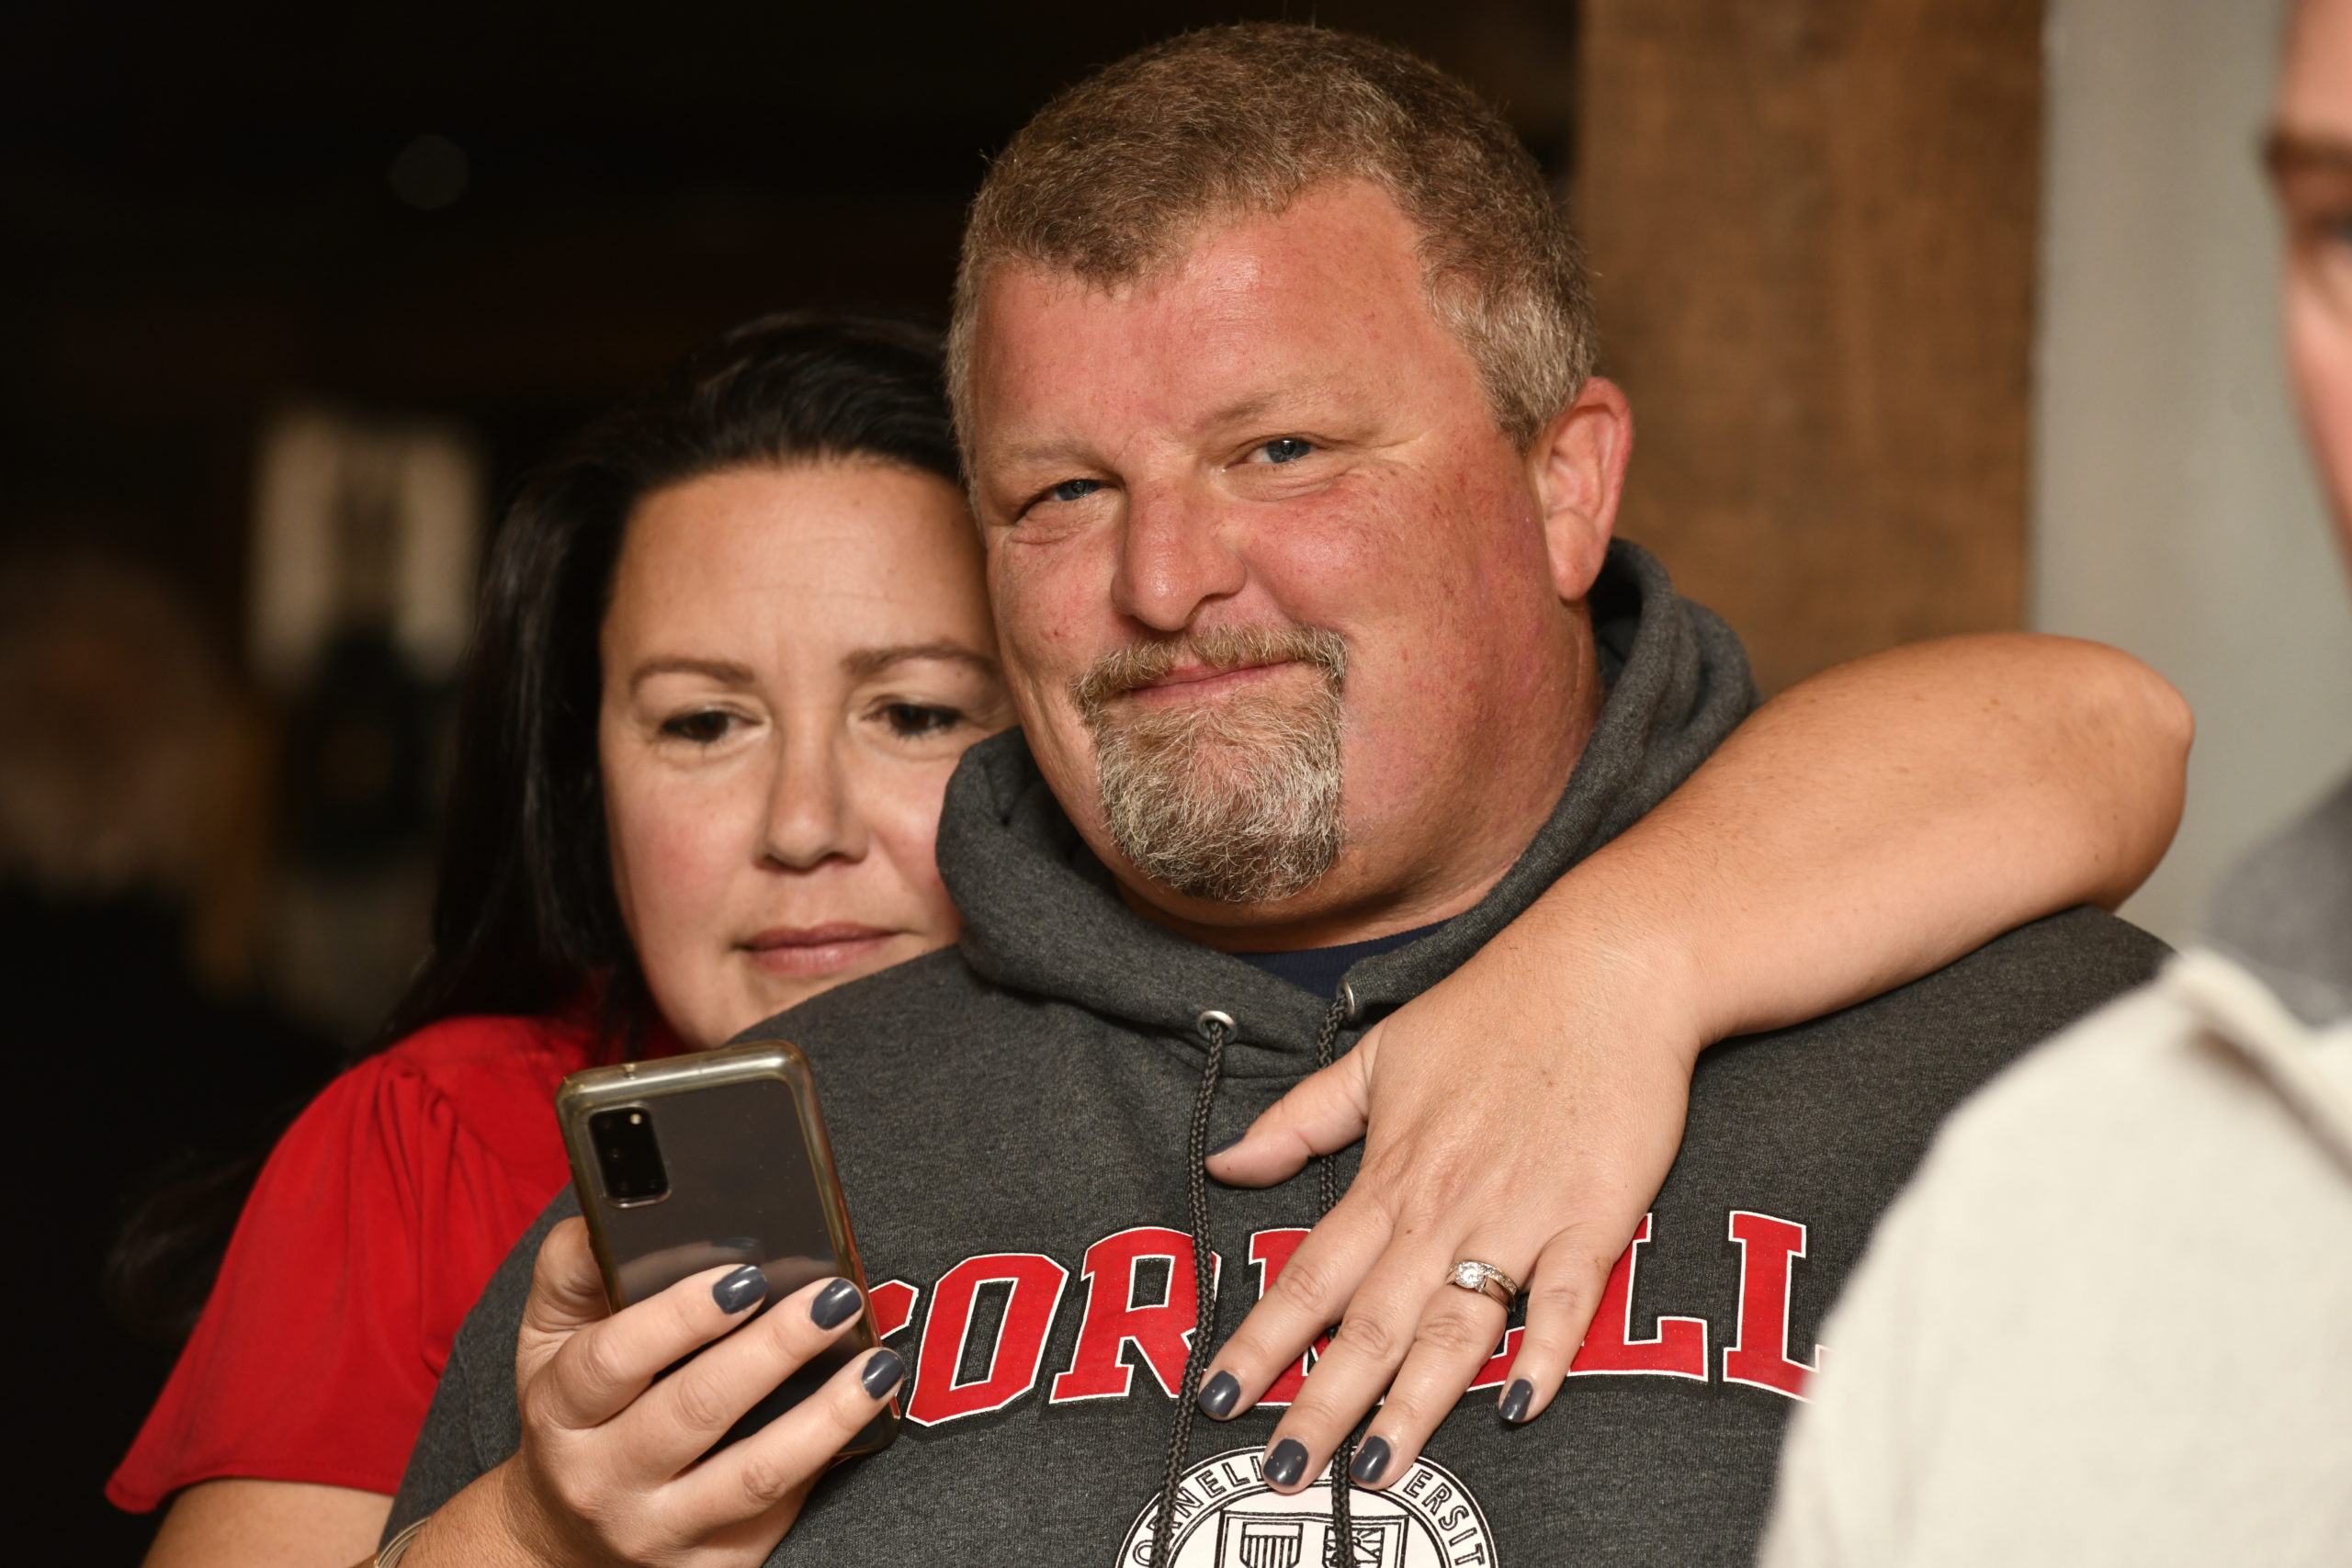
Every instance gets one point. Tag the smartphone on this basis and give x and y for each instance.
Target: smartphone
(718, 1157)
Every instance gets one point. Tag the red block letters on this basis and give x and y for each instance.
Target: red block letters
(891, 1304)
(1162, 1331)
(1679, 1349)
(1012, 1361)
(1769, 1249)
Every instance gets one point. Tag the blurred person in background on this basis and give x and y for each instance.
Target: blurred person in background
(2111, 1320)
(147, 1080)
(731, 648)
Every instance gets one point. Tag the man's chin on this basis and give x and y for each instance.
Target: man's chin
(1188, 850)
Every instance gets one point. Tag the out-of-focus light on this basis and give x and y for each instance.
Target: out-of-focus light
(362, 522)
(430, 173)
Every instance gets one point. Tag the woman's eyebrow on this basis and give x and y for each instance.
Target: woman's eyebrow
(720, 670)
(868, 662)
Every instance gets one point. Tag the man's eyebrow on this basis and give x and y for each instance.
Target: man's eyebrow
(1078, 454)
(2288, 152)
(1059, 451)
(1259, 405)
(868, 662)
(723, 669)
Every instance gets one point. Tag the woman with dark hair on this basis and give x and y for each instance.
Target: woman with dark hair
(388, 1205)
(731, 647)
(525, 909)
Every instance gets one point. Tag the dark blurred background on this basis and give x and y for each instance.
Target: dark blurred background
(294, 295)
(256, 249)
(499, 217)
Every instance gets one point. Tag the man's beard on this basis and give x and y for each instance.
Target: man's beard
(1237, 799)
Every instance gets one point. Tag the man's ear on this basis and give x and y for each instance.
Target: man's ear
(1578, 468)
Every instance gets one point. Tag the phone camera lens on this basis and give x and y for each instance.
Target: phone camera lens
(630, 1158)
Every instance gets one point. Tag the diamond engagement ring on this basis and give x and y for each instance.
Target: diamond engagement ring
(1487, 1279)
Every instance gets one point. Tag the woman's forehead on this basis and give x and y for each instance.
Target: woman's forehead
(860, 554)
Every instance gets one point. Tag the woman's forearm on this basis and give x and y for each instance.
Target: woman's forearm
(1879, 821)
(239, 1523)
(1869, 826)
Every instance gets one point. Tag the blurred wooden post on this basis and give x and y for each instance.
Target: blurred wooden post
(1814, 227)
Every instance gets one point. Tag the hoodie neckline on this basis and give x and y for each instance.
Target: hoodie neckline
(1041, 914)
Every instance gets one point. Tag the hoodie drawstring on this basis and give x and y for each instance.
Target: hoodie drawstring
(1340, 1553)
(1216, 1030)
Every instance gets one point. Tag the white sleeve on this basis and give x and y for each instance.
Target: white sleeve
(1854, 1447)
(2105, 1324)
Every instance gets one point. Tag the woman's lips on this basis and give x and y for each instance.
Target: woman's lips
(803, 951)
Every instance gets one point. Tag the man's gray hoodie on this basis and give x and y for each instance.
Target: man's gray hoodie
(1011, 1121)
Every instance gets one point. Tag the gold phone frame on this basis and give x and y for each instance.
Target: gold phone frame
(593, 1089)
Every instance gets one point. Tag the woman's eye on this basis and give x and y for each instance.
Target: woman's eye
(1074, 490)
(1286, 449)
(701, 728)
(910, 720)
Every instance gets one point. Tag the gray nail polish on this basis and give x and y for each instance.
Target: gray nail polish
(883, 1371)
(1371, 1460)
(836, 1304)
(1216, 1399)
(1226, 1145)
(1287, 1462)
(1515, 1399)
(735, 1291)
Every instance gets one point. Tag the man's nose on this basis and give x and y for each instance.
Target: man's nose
(1174, 556)
(812, 814)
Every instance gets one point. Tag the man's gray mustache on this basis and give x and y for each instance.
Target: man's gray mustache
(1141, 663)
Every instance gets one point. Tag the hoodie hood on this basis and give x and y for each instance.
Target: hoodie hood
(1042, 915)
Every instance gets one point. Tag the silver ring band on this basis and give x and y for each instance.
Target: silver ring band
(1486, 1280)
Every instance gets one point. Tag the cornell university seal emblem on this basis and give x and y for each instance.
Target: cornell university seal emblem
(1226, 1516)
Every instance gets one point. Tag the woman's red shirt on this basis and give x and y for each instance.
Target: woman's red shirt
(379, 1218)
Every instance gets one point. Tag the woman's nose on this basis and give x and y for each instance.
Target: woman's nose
(812, 814)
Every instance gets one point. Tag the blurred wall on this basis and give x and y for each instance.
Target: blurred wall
(2174, 512)
(1813, 227)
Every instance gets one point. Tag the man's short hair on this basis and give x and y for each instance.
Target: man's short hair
(1115, 176)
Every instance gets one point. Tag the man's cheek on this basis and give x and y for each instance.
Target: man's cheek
(1046, 611)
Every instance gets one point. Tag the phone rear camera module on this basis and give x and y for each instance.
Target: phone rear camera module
(627, 1156)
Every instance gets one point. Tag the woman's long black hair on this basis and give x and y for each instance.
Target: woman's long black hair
(525, 915)
(524, 919)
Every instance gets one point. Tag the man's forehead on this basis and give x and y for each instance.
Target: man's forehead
(1250, 308)
(1341, 237)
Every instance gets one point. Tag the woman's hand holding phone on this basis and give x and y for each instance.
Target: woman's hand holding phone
(612, 1466)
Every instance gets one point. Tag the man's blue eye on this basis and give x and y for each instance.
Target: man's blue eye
(1075, 489)
(1286, 449)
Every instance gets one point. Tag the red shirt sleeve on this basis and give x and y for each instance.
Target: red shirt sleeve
(373, 1228)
